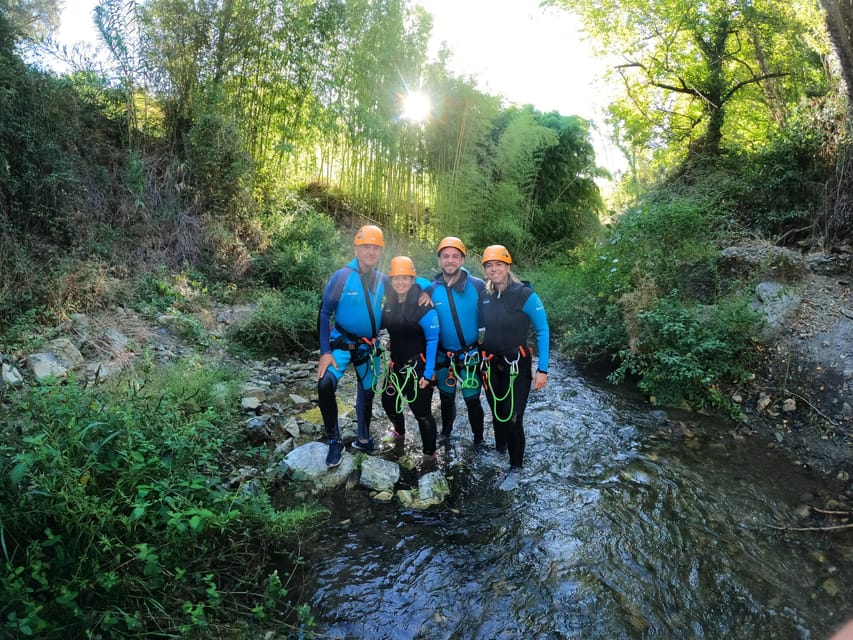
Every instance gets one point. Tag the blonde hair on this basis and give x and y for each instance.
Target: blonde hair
(490, 287)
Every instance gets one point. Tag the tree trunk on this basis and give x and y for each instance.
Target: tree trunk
(839, 23)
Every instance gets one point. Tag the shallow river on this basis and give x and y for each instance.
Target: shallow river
(618, 529)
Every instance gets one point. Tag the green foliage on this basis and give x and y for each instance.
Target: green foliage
(536, 191)
(283, 324)
(582, 298)
(613, 297)
(705, 77)
(221, 169)
(304, 248)
(782, 186)
(116, 521)
(160, 291)
(38, 148)
(684, 352)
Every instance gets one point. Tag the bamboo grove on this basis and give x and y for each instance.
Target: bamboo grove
(258, 95)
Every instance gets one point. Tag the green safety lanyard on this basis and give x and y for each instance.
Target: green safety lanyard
(469, 366)
(408, 373)
(510, 392)
(374, 364)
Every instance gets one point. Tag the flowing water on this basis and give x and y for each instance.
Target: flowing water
(616, 530)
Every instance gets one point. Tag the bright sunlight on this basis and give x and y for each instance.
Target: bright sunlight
(416, 106)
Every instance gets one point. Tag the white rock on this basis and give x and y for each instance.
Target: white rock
(10, 375)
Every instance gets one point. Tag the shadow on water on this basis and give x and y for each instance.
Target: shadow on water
(612, 532)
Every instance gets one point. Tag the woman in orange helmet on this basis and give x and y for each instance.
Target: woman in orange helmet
(507, 310)
(413, 341)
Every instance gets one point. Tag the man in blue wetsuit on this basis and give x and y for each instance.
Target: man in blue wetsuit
(353, 298)
(455, 294)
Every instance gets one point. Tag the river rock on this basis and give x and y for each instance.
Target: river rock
(308, 464)
(10, 375)
(433, 488)
(56, 359)
(379, 474)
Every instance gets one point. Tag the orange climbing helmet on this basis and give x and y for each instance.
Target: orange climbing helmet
(402, 266)
(451, 241)
(369, 234)
(496, 252)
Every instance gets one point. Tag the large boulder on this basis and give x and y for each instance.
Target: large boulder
(55, 360)
(762, 262)
(778, 306)
(307, 464)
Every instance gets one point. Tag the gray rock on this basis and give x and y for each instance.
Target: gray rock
(254, 391)
(299, 400)
(55, 360)
(257, 430)
(307, 464)
(117, 340)
(765, 262)
(43, 366)
(10, 375)
(250, 402)
(379, 474)
(831, 265)
(433, 485)
(778, 306)
(291, 426)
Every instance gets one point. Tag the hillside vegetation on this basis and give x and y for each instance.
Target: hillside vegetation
(226, 151)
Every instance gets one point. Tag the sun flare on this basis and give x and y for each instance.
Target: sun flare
(416, 106)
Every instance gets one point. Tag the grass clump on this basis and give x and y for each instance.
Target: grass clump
(116, 519)
(282, 324)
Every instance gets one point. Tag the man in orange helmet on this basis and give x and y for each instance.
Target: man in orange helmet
(350, 313)
(455, 293)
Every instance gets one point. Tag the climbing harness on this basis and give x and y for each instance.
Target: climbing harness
(469, 361)
(486, 366)
(396, 387)
(361, 356)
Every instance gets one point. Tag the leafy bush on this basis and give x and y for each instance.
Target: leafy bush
(686, 352)
(581, 297)
(282, 324)
(304, 249)
(116, 522)
(161, 291)
(612, 301)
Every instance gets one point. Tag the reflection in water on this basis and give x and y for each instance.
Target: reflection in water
(613, 532)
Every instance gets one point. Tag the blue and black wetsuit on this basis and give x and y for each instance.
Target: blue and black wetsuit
(349, 318)
(413, 338)
(458, 362)
(507, 369)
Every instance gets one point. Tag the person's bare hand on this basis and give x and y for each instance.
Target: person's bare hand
(540, 380)
(325, 361)
(424, 300)
(423, 383)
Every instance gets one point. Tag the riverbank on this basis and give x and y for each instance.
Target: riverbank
(801, 398)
